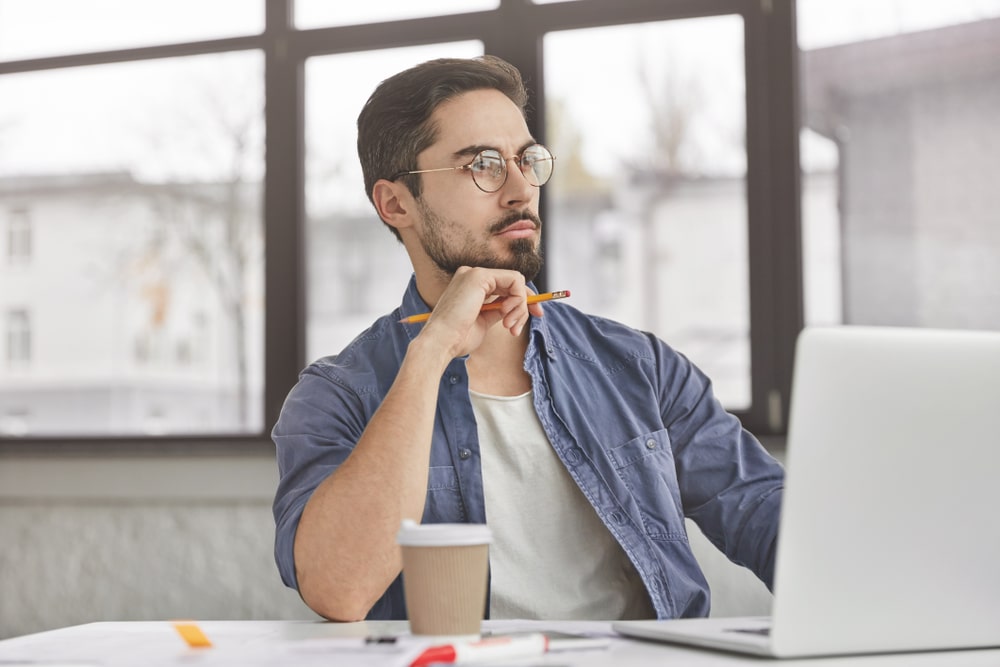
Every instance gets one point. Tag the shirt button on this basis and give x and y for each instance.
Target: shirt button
(651, 444)
(464, 454)
(453, 379)
(617, 517)
(574, 456)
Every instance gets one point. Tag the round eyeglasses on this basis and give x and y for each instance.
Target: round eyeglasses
(489, 167)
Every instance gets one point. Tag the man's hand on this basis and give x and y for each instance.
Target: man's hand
(457, 317)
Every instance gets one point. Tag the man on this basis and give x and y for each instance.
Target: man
(581, 442)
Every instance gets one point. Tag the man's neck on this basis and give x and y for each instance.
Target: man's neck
(497, 366)
(431, 280)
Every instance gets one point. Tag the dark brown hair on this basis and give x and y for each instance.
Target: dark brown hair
(394, 125)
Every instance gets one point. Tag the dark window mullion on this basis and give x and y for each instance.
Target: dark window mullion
(284, 211)
(773, 200)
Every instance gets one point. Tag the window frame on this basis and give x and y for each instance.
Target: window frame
(515, 32)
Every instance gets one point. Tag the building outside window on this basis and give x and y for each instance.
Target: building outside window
(145, 236)
(900, 155)
(648, 211)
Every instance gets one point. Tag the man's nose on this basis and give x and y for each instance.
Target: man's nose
(517, 189)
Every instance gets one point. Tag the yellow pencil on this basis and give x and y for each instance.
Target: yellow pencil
(532, 298)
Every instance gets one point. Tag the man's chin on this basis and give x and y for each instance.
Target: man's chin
(529, 270)
(526, 259)
(522, 257)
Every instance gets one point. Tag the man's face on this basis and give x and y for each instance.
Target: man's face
(460, 224)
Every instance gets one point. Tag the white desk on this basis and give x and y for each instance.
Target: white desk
(305, 643)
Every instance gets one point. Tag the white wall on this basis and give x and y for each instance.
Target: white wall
(138, 538)
(97, 538)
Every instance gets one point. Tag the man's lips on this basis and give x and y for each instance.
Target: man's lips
(518, 230)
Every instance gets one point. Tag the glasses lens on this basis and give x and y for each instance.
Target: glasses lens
(536, 164)
(489, 170)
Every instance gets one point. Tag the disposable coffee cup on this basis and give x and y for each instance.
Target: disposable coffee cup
(445, 572)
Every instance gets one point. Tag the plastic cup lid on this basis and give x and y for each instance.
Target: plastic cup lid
(442, 534)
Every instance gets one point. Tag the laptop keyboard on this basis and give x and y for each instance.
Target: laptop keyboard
(751, 631)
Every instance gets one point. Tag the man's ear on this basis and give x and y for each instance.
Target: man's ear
(393, 202)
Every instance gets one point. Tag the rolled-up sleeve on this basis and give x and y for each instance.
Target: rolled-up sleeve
(315, 433)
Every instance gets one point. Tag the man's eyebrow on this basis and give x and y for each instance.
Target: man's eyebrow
(470, 151)
(475, 149)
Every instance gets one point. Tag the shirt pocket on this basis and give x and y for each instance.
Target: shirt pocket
(444, 496)
(646, 466)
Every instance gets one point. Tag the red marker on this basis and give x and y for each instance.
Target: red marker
(485, 650)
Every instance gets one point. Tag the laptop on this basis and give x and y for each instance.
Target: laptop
(890, 527)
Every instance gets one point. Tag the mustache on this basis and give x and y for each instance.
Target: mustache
(513, 217)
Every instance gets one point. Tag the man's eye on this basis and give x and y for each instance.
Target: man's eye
(487, 165)
(531, 157)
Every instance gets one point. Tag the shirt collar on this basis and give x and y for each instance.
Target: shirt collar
(413, 303)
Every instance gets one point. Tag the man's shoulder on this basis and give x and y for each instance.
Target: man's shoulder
(377, 350)
(585, 333)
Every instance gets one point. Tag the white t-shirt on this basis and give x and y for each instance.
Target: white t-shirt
(551, 555)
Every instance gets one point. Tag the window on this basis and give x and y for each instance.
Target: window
(38, 28)
(18, 338)
(146, 202)
(648, 209)
(204, 194)
(900, 151)
(18, 236)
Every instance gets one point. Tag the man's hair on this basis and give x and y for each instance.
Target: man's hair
(394, 126)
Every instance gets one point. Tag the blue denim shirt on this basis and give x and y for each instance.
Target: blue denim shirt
(634, 422)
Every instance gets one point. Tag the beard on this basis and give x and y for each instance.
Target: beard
(525, 256)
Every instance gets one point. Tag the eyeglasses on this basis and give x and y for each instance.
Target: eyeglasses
(489, 167)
